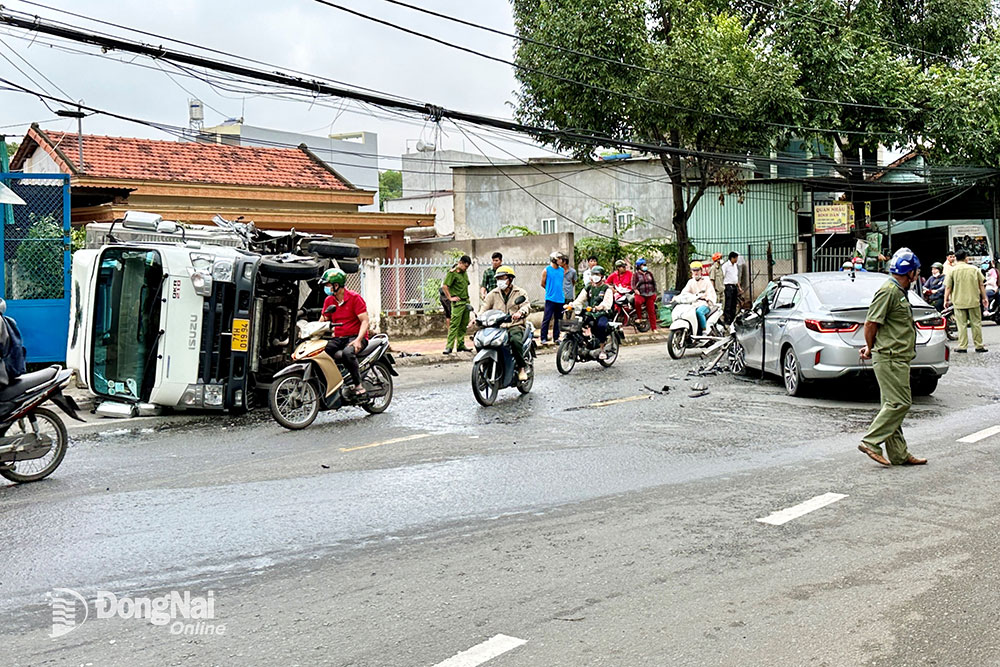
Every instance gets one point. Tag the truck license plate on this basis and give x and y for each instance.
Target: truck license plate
(241, 335)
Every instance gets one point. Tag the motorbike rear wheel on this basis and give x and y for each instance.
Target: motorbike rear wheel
(50, 426)
(383, 377)
(566, 355)
(678, 343)
(294, 402)
(484, 388)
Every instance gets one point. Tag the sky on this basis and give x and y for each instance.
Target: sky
(294, 34)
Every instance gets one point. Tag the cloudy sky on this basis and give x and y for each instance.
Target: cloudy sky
(295, 34)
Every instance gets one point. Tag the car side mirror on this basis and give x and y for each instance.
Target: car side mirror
(764, 307)
(519, 300)
(330, 310)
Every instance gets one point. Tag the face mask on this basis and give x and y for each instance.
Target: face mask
(502, 284)
(644, 268)
(595, 279)
(329, 290)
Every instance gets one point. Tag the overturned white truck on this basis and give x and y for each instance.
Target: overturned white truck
(192, 318)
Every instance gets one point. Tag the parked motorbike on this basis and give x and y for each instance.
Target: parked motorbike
(319, 382)
(493, 366)
(624, 310)
(950, 327)
(33, 439)
(580, 344)
(684, 327)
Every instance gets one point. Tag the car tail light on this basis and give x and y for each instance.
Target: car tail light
(827, 326)
(936, 324)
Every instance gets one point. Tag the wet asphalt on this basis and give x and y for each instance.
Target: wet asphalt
(606, 518)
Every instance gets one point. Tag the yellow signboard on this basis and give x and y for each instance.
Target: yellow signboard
(241, 335)
(836, 218)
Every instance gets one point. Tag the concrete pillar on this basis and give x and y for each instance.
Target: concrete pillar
(397, 247)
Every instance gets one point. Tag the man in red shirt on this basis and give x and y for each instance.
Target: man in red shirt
(351, 322)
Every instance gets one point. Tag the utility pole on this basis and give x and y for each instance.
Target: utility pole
(78, 114)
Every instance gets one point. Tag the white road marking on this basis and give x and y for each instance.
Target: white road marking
(393, 441)
(786, 515)
(481, 653)
(616, 401)
(981, 435)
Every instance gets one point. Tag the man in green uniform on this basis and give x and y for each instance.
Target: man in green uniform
(456, 290)
(965, 287)
(504, 298)
(890, 340)
(489, 281)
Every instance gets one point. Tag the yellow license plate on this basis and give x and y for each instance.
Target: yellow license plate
(241, 335)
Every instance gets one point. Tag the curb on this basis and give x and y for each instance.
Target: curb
(456, 357)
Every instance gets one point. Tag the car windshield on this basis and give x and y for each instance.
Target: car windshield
(126, 321)
(841, 292)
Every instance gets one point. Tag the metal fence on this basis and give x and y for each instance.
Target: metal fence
(767, 261)
(34, 251)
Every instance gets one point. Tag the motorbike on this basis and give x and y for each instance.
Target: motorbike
(317, 382)
(580, 344)
(493, 366)
(33, 438)
(684, 327)
(624, 310)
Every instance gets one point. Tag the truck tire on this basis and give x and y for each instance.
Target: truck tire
(334, 250)
(306, 270)
(348, 265)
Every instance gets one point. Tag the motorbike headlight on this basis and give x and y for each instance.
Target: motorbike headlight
(222, 271)
(213, 395)
(202, 283)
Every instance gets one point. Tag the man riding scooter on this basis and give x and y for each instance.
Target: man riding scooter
(701, 287)
(351, 323)
(598, 296)
(504, 298)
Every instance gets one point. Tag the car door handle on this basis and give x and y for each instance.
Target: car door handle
(782, 323)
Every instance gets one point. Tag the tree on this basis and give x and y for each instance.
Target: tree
(709, 85)
(390, 186)
(12, 148)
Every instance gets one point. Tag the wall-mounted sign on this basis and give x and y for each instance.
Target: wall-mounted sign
(836, 218)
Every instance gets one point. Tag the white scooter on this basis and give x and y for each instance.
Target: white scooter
(684, 325)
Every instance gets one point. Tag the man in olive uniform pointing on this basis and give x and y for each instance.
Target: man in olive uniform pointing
(890, 340)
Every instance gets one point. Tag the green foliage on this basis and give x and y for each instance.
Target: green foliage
(78, 238)
(36, 271)
(12, 147)
(517, 230)
(390, 186)
(609, 250)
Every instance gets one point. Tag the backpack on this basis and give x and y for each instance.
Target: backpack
(13, 352)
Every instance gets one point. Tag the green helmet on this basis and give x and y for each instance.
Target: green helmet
(334, 276)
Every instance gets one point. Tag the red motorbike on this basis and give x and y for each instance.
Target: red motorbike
(624, 310)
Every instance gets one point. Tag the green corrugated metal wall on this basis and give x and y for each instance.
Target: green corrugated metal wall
(768, 213)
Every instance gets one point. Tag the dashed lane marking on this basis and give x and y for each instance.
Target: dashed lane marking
(393, 441)
(480, 653)
(784, 516)
(981, 435)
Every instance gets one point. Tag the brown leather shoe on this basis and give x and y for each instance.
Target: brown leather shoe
(875, 456)
(912, 460)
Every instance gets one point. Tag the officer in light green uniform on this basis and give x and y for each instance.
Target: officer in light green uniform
(891, 341)
(456, 290)
(964, 288)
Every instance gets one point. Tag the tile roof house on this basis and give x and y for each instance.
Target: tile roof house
(277, 188)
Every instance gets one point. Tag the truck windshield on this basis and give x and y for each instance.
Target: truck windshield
(126, 322)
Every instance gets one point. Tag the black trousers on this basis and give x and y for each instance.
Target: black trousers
(732, 301)
(350, 359)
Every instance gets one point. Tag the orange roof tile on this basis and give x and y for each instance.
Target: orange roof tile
(189, 162)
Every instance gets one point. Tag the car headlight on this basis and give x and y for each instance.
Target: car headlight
(222, 271)
(202, 283)
(213, 395)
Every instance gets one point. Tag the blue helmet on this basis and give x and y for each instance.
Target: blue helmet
(639, 262)
(903, 261)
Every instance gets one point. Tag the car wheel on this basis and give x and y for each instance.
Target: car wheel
(924, 385)
(304, 270)
(791, 373)
(737, 358)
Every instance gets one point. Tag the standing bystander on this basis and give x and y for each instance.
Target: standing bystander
(552, 282)
(715, 275)
(569, 279)
(456, 290)
(731, 282)
(644, 287)
(489, 281)
(965, 288)
(591, 263)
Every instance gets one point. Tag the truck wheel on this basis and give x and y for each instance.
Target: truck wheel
(348, 265)
(333, 250)
(304, 270)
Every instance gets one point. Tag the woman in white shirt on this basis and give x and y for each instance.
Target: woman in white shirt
(701, 287)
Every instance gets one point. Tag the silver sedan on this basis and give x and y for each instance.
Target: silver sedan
(814, 328)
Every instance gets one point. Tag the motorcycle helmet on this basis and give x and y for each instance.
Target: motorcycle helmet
(505, 270)
(334, 276)
(696, 266)
(903, 261)
(620, 263)
(639, 262)
(716, 256)
(938, 265)
(597, 270)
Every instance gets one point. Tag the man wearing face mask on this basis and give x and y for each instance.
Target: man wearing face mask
(503, 298)
(351, 318)
(598, 295)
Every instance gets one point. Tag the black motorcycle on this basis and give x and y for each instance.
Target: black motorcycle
(493, 366)
(580, 344)
(33, 439)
